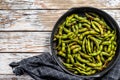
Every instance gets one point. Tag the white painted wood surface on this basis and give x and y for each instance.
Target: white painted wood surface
(24, 41)
(37, 20)
(26, 25)
(7, 58)
(57, 4)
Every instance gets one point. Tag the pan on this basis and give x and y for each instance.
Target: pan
(80, 10)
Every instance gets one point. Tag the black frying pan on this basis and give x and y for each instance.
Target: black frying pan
(80, 10)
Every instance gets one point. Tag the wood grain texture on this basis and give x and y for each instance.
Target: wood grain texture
(36, 20)
(7, 58)
(24, 41)
(39, 20)
(13, 77)
(57, 4)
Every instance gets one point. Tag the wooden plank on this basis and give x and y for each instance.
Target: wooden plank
(36, 20)
(7, 58)
(13, 77)
(57, 4)
(29, 19)
(24, 41)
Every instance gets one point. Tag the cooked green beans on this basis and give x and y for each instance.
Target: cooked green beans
(86, 44)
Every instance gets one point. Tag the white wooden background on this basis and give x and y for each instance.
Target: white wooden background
(26, 25)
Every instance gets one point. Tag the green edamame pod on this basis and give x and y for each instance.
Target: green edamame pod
(102, 58)
(115, 43)
(78, 41)
(64, 36)
(66, 30)
(98, 58)
(69, 50)
(94, 15)
(68, 60)
(98, 68)
(112, 46)
(71, 69)
(98, 52)
(105, 48)
(94, 27)
(88, 68)
(62, 54)
(73, 19)
(87, 33)
(112, 38)
(74, 46)
(73, 43)
(106, 42)
(78, 17)
(94, 65)
(89, 16)
(59, 43)
(71, 58)
(86, 46)
(79, 65)
(70, 23)
(89, 47)
(86, 73)
(83, 45)
(95, 49)
(63, 47)
(84, 55)
(76, 50)
(67, 65)
(76, 27)
(60, 30)
(67, 41)
(73, 28)
(105, 54)
(82, 60)
(79, 25)
(99, 26)
(82, 69)
(70, 17)
(109, 47)
(84, 21)
(108, 34)
(99, 21)
(82, 30)
(75, 72)
(86, 25)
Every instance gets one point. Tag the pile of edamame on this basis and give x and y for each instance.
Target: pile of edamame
(86, 44)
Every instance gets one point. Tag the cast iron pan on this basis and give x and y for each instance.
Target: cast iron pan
(80, 10)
